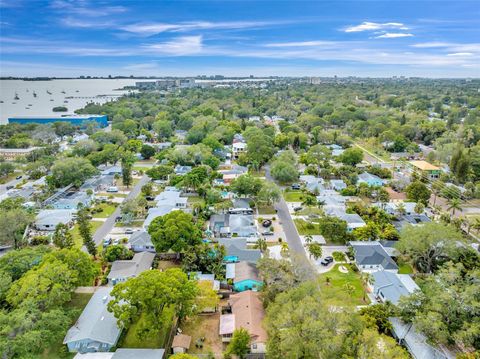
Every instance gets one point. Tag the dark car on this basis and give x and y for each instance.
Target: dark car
(325, 263)
(9, 187)
(329, 259)
(150, 198)
(296, 186)
(118, 219)
(267, 223)
(18, 177)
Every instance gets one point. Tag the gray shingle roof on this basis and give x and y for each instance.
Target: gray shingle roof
(95, 322)
(248, 255)
(244, 271)
(138, 353)
(131, 268)
(392, 285)
(372, 253)
(140, 238)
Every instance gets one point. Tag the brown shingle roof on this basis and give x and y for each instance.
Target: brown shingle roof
(424, 165)
(249, 313)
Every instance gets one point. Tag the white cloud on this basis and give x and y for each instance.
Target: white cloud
(461, 54)
(84, 8)
(180, 46)
(370, 26)
(306, 44)
(393, 35)
(148, 29)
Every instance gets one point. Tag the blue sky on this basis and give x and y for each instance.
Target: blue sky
(239, 38)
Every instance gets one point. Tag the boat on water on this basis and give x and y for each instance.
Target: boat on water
(30, 104)
(34, 94)
(63, 91)
(1, 101)
(49, 92)
(65, 101)
(16, 96)
(51, 99)
(77, 91)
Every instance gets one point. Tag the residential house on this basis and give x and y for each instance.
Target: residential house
(48, 219)
(416, 342)
(353, 221)
(371, 257)
(96, 330)
(238, 148)
(11, 154)
(140, 241)
(182, 170)
(125, 269)
(313, 184)
(98, 183)
(389, 286)
(336, 150)
(125, 353)
(337, 184)
(161, 145)
(410, 219)
(110, 170)
(426, 170)
(392, 208)
(181, 343)
(171, 197)
(246, 277)
(370, 179)
(73, 200)
(242, 225)
(155, 212)
(237, 251)
(247, 312)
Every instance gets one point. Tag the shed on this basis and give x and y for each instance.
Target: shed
(181, 343)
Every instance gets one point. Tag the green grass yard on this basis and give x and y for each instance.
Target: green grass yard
(94, 225)
(266, 210)
(152, 341)
(293, 196)
(107, 210)
(405, 268)
(304, 228)
(334, 293)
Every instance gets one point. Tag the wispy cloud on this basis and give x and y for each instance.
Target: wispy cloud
(180, 46)
(85, 8)
(371, 26)
(71, 21)
(393, 35)
(306, 44)
(148, 29)
(451, 47)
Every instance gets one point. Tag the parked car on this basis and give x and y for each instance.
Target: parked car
(112, 189)
(267, 233)
(267, 223)
(118, 218)
(296, 186)
(107, 242)
(18, 177)
(149, 198)
(9, 187)
(325, 263)
(298, 208)
(129, 231)
(329, 259)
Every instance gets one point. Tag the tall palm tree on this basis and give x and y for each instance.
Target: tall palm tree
(284, 249)
(349, 289)
(315, 250)
(308, 239)
(309, 201)
(401, 210)
(261, 244)
(367, 279)
(454, 204)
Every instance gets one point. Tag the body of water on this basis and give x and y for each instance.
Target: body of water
(38, 98)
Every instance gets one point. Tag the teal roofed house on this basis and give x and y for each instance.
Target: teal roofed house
(246, 277)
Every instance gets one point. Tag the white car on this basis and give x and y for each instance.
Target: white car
(112, 189)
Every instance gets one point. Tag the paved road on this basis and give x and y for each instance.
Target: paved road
(14, 182)
(295, 245)
(108, 225)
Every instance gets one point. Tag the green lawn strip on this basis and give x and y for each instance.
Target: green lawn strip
(293, 196)
(94, 225)
(78, 302)
(138, 223)
(107, 210)
(405, 268)
(195, 199)
(266, 210)
(303, 227)
(334, 293)
(151, 341)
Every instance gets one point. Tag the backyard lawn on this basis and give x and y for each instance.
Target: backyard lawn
(107, 210)
(204, 326)
(157, 340)
(293, 196)
(266, 210)
(94, 225)
(405, 268)
(195, 199)
(334, 292)
(305, 228)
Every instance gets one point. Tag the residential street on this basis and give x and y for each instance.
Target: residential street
(297, 251)
(107, 226)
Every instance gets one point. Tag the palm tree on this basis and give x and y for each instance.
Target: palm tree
(261, 244)
(367, 279)
(349, 289)
(308, 239)
(454, 204)
(315, 250)
(327, 280)
(284, 249)
(401, 210)
(309, 201)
